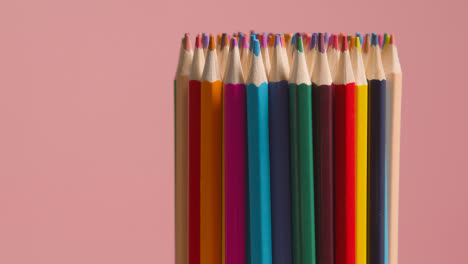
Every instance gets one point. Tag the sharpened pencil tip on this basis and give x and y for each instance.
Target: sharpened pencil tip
(256, 47)
(321, 43)
(374, 40)
(299, 45)
(205, 40)
(244, 43)
(263, 41)
(222, 43)
(358, 34)
(336, 45)
(344, 44)
(198, 43)
(271, 41)
(251, 42)
(313, 41)
(277, 40)
(212, 44)
(330, 40)
(187, 43)
(358, 44)
(287, 38)
(233, 43)
(392, 39)
(352, 42)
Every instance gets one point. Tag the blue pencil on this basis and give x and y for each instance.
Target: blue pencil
(258, 161)
(278, 96)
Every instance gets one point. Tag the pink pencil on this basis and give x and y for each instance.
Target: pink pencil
(380, 38)
(234, 157)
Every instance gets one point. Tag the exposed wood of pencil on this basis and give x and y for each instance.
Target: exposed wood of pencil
(181, 150)
(393, 75)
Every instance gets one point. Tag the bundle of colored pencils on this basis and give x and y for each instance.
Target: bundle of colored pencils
(287, 149)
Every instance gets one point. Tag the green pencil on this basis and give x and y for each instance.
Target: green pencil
(302, 171)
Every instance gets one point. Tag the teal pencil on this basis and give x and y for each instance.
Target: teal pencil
(303, 173)
(258, 161)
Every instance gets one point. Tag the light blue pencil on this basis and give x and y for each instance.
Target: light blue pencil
(258, 162)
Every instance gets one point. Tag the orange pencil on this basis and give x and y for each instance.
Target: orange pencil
(210, 160)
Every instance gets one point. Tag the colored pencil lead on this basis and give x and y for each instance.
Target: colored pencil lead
(198, 43)
(374, 40)
(205, 40)
(187, 43)
(212, 43)
(244, 43)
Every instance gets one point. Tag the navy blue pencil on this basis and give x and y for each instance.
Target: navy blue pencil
(376, 155)
(278, 95)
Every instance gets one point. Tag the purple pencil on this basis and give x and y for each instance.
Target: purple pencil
(234, 158)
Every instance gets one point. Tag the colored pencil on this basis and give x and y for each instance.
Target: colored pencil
(380, 39)
(258, 160)
(333, 53)
(219, 38)
(376, 155)
(181, 149)
(194, 152)
(322, 113)
(287, 41)
(361, 151)
(345, 166)
(279, 156)
(244, 54)
(326, 36)
(205, 42)
(265, 54)
(384, 41)
(306, 39)
(271, 44)
(341, 37)
(311, 55)
(358, 35)
(224, 54)
(234, 157)
(302, 174)
(210, 160)
(250, 53)
(365, 50)
(285, 55)
(392, 68)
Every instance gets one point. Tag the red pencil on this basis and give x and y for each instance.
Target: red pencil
(345, 168)
(194, 152)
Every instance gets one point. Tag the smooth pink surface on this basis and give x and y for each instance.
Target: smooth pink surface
(86, 130)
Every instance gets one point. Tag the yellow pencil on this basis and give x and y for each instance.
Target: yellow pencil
(361, 151)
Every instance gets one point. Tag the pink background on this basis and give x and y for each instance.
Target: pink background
(86, 130)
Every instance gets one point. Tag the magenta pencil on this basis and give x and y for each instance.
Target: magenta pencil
(380, 39)
(234, 157)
